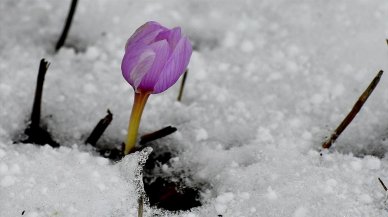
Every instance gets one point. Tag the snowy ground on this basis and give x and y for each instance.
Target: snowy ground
(269, 80)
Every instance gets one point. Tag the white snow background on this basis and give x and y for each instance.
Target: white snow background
(268, 81)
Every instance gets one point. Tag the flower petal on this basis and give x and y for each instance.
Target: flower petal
(172, 36)
(175, 66)
(136, 62)
(145, 34)
(162, 53)
(142, 68)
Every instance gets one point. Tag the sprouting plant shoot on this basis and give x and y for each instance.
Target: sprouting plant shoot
(155, 57)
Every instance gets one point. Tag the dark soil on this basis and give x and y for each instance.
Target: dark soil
(174, 191)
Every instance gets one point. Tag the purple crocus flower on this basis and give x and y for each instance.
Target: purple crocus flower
(155, 57)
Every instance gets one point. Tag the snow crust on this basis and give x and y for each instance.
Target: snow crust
(268, 81)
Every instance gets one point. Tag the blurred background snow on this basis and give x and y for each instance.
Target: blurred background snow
(268, 81)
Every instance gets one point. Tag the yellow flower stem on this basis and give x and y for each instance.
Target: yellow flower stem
(134, 121)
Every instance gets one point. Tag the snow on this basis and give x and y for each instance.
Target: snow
(201, 135)
(301, 212)
(271, 194)
(8, 181)
(222, 201)
(267, 82)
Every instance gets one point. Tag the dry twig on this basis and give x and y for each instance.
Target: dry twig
(140, 209)
(157, 134)
(356, 108)
(62, 39)
(34, 132)
(182, 85)
(99, 129)
(382, 183)
(36, 107)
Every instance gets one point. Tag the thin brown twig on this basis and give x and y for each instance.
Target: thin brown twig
(36, 107)
(66, 28)
(182, 85)
(157, 135)
(34, 132)
(382, 183)
(140, 208)
(356, 108)
(99, 129)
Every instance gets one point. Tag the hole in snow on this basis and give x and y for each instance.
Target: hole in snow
(366, 141)
(167, 183)
(376, 148)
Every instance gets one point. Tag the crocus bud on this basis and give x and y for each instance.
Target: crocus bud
(155, 57)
